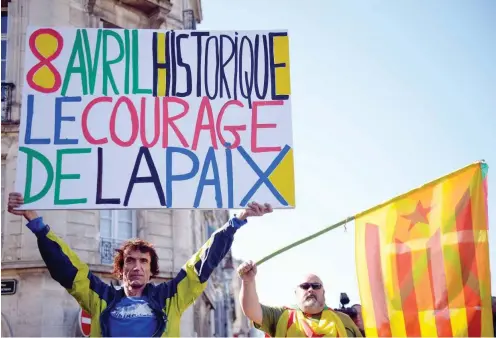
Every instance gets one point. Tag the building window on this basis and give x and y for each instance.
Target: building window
(212, 321)
(116, 226)
(4, 43)
(5, 88)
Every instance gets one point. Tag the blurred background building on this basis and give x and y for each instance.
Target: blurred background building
(32, 303)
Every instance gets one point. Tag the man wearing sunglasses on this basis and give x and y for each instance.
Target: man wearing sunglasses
(310, 317)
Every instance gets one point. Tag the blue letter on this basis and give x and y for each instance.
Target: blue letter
(153, 178)
(229, 170)
(169, 177)
(59, 118)
(263, 176)
(209, 160)
(29, 125)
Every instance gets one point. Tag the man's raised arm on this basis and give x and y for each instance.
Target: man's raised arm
(264, 317)
(248, 296)
(192, 278)
(63, 264)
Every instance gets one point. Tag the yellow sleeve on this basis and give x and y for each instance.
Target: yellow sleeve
(191, 280)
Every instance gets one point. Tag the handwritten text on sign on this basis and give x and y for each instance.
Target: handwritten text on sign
(153, 119)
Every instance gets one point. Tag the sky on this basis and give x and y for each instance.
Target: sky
(386, 96)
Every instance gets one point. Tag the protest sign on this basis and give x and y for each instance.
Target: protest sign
(121, 118)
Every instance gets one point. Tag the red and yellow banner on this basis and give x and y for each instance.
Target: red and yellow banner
(423, 260)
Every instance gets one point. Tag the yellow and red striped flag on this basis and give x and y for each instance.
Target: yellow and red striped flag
(423, 260)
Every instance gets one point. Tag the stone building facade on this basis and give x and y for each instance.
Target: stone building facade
(40, 306)
(241, 326)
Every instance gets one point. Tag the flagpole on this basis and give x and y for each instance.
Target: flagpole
(352, 218)
(306, 239)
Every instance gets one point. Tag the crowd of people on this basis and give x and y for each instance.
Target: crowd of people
(141, 308)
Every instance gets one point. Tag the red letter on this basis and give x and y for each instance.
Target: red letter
(170, 121)
(255, 126)
(204, 105)
(134, 122)
(156, 123)
(84, 120)
(232, 129)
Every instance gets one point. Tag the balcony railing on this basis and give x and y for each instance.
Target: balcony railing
(107, 249)
(7, 89)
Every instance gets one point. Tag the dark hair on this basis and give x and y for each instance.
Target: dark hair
(139, 245)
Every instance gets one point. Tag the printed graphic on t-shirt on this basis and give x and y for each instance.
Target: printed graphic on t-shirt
(139, 308)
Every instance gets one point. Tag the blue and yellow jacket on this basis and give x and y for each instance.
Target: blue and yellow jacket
(168, 300)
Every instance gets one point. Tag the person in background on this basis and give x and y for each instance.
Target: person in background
(140, 308)
(359, 319)
(494, 314)
(309, 318)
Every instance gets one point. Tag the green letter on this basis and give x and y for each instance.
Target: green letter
(107, 72)
(92, 64)
(29, 175)
(77, 50)
(59, 176)
(136, 61)
(127, 44)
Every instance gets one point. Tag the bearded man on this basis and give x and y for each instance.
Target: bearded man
(310, 317)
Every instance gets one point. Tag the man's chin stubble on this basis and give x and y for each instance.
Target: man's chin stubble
(311, 302)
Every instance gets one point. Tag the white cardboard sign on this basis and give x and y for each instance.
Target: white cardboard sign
(135, 119)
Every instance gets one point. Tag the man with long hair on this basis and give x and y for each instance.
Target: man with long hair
(140, 308)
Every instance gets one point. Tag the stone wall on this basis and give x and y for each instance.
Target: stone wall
(41, 307)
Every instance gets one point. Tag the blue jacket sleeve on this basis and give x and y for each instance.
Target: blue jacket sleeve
(191, 280)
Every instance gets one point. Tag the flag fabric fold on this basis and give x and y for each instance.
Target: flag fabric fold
(422, 260)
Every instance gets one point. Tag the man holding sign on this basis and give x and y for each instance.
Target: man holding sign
(139, 308)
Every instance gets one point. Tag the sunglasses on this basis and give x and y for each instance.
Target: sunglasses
(306, 286)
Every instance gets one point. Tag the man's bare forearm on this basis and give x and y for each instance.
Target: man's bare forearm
(249, 302)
